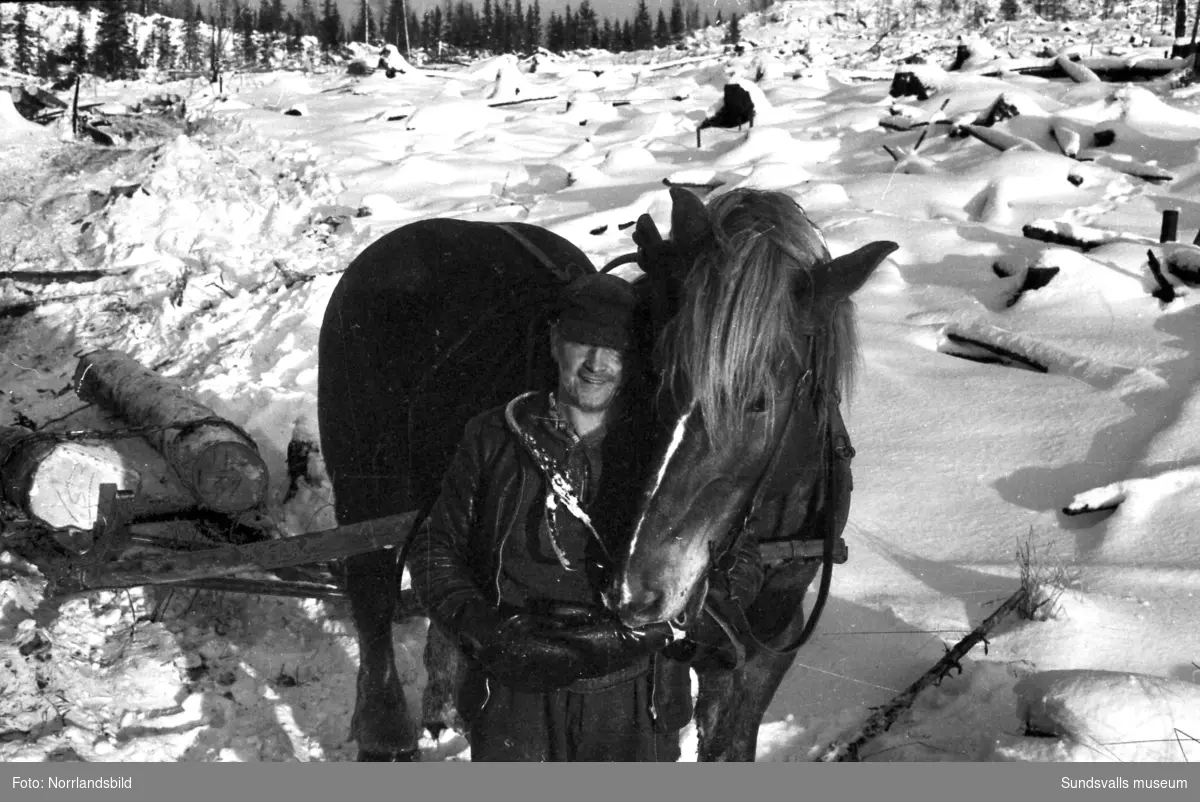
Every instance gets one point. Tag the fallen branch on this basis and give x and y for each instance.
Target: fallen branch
(498, 104)
(846, 749)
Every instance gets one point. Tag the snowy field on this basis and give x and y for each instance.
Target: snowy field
(216, 268)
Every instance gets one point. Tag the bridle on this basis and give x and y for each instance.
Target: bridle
(728, 612)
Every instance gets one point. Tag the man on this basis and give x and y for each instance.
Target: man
(540, 496)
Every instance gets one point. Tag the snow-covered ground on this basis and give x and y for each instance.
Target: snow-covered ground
(216, 269)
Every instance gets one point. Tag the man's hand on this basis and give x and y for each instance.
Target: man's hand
(544, 653)
(526, 653)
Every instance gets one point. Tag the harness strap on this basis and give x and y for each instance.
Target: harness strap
(536, 252)
(731, 616)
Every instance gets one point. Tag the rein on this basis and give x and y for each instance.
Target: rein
(728, 613)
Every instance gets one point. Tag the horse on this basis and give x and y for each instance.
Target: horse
(759, 344)
(442, 319)
(429, 325)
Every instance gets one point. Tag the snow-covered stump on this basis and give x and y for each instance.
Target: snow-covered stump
(1092, 715)
(215, 460)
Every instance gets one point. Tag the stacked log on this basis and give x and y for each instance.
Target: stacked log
(57, 482)
(215, 460)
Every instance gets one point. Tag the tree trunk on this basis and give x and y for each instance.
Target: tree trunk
(1180, 19)
(57, 482)
(217, 462)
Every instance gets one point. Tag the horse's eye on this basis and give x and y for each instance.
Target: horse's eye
(758, 406)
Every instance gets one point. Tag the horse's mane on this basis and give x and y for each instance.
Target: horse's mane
(749, 315)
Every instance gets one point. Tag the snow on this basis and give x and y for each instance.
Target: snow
(217, 266)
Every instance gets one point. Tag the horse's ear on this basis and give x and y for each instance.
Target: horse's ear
(690, 226)
(846, 274)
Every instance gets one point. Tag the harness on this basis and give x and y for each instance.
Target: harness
(727, 612)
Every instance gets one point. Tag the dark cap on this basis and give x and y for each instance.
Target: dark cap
(597, 309)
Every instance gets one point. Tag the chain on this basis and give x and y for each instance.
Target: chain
(129, 433)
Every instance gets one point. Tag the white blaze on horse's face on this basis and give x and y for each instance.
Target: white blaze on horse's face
(697, 497)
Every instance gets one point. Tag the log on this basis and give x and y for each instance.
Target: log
(57, 482)
(846, 749)
(1077, 72)
(1001, 140)
(1111, 69)
(215, 460)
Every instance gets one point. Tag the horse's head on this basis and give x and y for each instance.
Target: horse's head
(761, 325)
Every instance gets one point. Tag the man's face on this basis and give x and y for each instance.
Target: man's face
(589, 376)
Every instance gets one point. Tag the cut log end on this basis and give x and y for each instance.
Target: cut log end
(63, 485)
(229, 477)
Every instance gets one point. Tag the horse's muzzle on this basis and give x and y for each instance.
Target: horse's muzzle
(637, 605)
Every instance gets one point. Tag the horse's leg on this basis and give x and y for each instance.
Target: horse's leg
(360, 445)
(443, 667)
(381, 724)
(731, 704)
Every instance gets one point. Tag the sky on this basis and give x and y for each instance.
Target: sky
(218, 268)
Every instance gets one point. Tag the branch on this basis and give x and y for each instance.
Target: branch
(846, 749)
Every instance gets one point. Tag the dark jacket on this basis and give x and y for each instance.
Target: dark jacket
(489, 491)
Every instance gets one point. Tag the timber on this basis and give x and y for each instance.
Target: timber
(1110, 68)
(217, 462)
(846, 749)
(56, 482)
(314, 547)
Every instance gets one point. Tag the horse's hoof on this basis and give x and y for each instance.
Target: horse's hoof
(389, 756)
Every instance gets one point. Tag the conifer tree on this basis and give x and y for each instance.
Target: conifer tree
(191, 35)
(735, 35)
(678, 25)
(331, 25)
(533, 25)
(165, 51)
(23, 56)
(643, 31)
(662, 33)
(114, 52)
(306, 15)
(75, 53)
(518, 27)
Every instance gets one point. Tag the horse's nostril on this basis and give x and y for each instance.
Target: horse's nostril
(644, 608)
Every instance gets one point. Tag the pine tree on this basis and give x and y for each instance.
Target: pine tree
(533, 25)
(518, 27)
(678, 24)
(1010, 9)
(331, 26)
(554, 33)
(643, 31)
(364, 28)
(24, 53)
(191, 36)
(306, 15)
(662, 33)
(75, 53)
(735, 34)
(114, 52)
